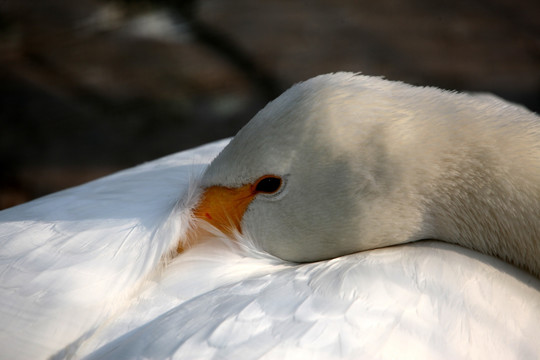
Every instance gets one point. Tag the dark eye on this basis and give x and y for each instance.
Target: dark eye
(268, 185)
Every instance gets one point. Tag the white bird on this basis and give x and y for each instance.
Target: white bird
(338, 164)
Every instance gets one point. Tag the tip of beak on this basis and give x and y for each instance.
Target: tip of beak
(193, 236)
(199, 231)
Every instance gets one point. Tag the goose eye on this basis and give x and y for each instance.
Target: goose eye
(268, 185)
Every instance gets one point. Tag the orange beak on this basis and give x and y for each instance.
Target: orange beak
(222, 208)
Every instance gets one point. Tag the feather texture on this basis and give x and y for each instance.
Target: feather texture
(85, 274)
(71, 260)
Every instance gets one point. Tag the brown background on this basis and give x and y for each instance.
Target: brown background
(89, 87)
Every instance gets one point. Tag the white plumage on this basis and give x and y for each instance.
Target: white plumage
(88, 273)
(71, 260)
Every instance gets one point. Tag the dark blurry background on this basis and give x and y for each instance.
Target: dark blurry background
(88, 87)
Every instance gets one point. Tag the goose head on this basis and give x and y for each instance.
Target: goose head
(343, 163)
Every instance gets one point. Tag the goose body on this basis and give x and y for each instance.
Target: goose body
(90, 272)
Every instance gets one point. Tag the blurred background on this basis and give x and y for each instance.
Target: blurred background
(89, 87)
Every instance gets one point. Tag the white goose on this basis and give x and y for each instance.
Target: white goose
(336, 165)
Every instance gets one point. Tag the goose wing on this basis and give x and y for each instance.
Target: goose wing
(70, 260)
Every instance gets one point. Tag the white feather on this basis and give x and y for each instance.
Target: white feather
(71, 260)
(87, 273)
